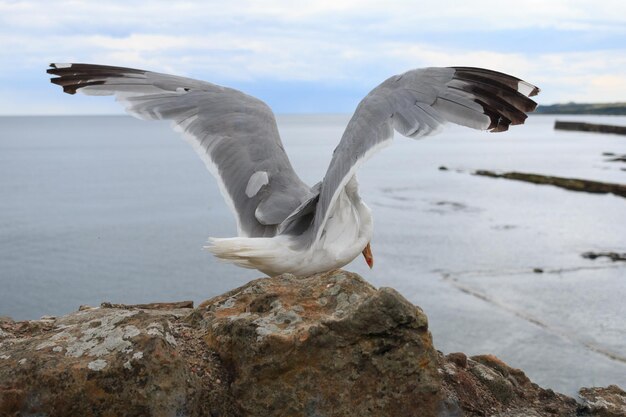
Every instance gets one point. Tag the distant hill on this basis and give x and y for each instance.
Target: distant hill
(584, 108)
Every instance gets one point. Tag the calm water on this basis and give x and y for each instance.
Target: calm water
(114, 209)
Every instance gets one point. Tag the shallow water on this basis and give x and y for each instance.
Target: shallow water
(116, 209)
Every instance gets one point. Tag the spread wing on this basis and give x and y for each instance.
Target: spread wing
(418, 103)
(234, 134)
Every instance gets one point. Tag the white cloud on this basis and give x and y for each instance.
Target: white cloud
(357, 42)
(186, 15)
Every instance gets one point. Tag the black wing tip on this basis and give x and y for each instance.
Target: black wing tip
(503, 77)
(535, 91)
(69, 89)
(90, 69)
(59, 70)
(73, 76)
(53, 69)
(504, 98)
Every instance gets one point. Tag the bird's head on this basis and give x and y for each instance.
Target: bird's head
(367, 254)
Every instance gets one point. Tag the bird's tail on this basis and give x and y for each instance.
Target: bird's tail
(254, 253)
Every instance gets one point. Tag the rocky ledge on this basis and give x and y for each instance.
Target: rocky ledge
(327, 345)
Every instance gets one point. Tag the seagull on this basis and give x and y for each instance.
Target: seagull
(284, 225)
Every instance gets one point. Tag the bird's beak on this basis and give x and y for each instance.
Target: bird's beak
(367, 254)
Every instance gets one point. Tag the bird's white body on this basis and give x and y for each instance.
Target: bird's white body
(348, 230)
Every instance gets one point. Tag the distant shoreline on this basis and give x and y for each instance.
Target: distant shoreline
(608, 109)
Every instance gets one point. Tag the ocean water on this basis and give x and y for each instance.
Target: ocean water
(115, 209)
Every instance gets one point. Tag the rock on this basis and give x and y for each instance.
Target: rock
(484, 385)
(327, 345)
(613, 256)
(330, 344)
(589, 127)
(604, 402)
(109, 362)
(149, 306)
(458, 358)
(572, 184)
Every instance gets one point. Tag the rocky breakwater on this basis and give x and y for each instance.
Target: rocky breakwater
(327, 345)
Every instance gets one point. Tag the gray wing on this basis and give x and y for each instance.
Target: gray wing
(418, 103)
(234, 134)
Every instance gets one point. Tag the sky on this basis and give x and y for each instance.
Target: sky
(311, 56)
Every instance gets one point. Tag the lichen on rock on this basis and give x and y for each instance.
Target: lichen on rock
(604, 402)
(108, 361)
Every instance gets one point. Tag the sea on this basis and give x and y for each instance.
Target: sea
(110, 208)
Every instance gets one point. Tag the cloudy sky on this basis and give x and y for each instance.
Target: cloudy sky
(311, 56)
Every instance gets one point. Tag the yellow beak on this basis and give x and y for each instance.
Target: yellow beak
(367, 254)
